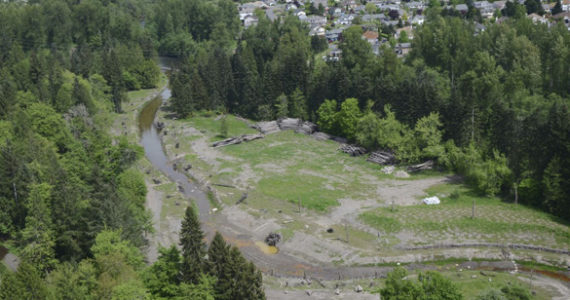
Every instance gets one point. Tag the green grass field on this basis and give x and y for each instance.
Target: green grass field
(284, 167)
(495, 221)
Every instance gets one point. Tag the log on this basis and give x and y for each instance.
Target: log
(289, 124)
(428, 165)
(242, 198)
(267, 127)
(237, 140)
(352, 150)
(321, 136)
(224, 185)
(307, 128)
(382, 158)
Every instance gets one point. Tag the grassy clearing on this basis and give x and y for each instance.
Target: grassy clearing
(472, 283)
(284, 167)
(495, 221)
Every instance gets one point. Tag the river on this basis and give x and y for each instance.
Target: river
(152, 144)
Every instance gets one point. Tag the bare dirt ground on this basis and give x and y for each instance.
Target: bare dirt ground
(560, 290)
(321, 294)
(306, 252)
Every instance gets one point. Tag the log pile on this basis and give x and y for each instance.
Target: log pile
(428, 165)
(267, 127)
(321, 136)
(289, 124)
(307, 128)
(352, 150)
(382, 158)
(297, 125)
(237, 140)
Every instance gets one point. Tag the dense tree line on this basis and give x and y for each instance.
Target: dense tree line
(117, 271)
(71, 204)
(491, 105)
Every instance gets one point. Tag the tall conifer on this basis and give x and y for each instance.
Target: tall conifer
(193, 247)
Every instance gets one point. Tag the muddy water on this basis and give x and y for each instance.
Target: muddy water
(152, 144)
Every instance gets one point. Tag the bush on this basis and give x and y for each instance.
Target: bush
(131, 82)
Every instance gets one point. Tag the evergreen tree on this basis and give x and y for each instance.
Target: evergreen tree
(224, 126)
(162, 278)
(282, 106)
(218, 255)
(557, 8)
(38, 234)
(26, 283)
(193, 247)
(298, 105)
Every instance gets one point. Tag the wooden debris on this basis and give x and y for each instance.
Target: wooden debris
(237, 140)
(224, 185)
(289, 124)
(267, 127)
(321, 136)
(242, 198)
(352, 150)
(428, 165)
(382, 158)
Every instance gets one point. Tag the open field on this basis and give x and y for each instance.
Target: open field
(470, 282)
(347, 194)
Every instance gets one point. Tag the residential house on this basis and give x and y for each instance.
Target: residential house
(344, 20)
(499, 4)
(403, 49)
(370, 36)
(316, 21)
(485, 8)
(565, 5)
(250, 21)
(415, 5)
(407, 29)
(536, 18)
(371, 18)
(563, 17)
(418, 20)
(334, 35)
(319, 31)
(462, 8)
(334, 53)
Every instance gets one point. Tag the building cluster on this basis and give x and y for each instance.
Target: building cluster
(383, 21)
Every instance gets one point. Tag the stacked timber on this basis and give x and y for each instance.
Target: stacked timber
(428, 165)
(321, 136)
(382, 158)
(289, 123)
(352, 150)
(307, 128)
(267, 127)
(237, 140)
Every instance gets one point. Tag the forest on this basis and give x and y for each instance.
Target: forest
(490, 105)
(71, 205)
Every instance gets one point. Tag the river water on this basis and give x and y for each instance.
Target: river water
(152, 144)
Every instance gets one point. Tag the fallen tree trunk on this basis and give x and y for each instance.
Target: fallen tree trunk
(224, 185)
(237, 140)
(243, 197)
(382, 158)
(428, 165)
